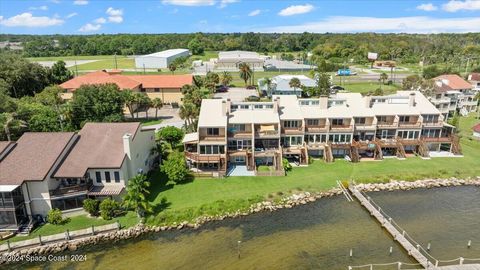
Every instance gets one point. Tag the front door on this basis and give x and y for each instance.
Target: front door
(384, 134)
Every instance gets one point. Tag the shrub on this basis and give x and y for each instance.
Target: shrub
(174, 167)
(91, 206)
(108, 207)
(286, 165)
(171, 134)
(54, 216)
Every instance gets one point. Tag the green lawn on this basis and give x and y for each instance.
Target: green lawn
(77, 223)
(365, 87)
(150, 122)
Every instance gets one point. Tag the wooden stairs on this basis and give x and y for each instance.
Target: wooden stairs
(327, 153)
(378, 154)
(423, 150)
(400, 150)
(354, 152)
(456, 147)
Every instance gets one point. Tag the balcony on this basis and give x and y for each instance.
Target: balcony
(365, 126)
(387, 124)
(341, 128)
(240, 134)
(437, 139)
(292, 130)
(417, 124)
(213, 138)
(266, 133)
(73, 189)
(433, 124)
(316, 129)
(207, 158)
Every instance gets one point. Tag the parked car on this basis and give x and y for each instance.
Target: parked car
(251, 87)
(221, 89)
(337, 88)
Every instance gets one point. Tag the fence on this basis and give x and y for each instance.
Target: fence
(65, 236)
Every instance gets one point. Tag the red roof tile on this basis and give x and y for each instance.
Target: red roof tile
(451, 82)
(128, 81)
(474, 77)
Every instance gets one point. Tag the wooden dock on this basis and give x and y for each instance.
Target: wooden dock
(399, 236)
(459, 267)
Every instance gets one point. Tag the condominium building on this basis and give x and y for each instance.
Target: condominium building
(453, 94)
(246, 135)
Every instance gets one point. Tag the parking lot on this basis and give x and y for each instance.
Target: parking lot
(237, 94)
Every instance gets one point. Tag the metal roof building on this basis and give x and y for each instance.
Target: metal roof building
(160, 59)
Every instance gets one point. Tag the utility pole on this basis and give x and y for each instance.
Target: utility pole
(115, 57)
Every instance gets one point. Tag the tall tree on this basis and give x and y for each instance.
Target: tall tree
(226, 78)
(59, 73)
(245, 72)
(11, 125)
(211, 80)
(157, 104)
(172, 67)
(383, 77)
(295, 83)
(136, 195)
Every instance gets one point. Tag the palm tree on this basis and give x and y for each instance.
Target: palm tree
(157, 104)
(136, 198)
(139, 99)
(146, 104)
(295, 83)
(10, 123)
(172, 67)
(226, 78)
(129, 99)
(245, 72)
(268, 83)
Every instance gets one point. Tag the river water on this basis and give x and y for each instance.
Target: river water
(319, 235)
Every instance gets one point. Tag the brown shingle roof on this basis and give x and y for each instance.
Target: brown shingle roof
(451, 82)
(100, 146)
(128, 81)
(33, 156)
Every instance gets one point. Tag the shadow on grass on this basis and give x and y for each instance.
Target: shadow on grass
(162, 205)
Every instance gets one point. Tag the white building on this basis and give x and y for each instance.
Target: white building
(280, 85)
(229, 61)
(160, 59)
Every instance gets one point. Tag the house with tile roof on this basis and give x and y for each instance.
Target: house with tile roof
(165, 87)
(453, 94)
(474, 80)
(65, 168)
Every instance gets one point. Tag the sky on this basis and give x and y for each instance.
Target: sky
(266, 16)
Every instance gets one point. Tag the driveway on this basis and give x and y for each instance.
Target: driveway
(168, 115)
(237, 94)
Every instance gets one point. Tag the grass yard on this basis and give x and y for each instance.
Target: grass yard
(365, 87)
(149, 122)
(77, 223)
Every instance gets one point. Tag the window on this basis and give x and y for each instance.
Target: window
(258, 106)
(238, 127)
(312, 122)
(404, 118)
(360, 120)
(382, 119)
(340, 138)
(337, 122)
(269, 106)
(212, 149)
(290, 124)
(107, 177)
(142, 90)
(213, 131)
(98, 177)
(116, 175)
(156, 89)
(245, 107)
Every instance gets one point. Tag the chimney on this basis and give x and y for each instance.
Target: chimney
(411, 100)
(224, 107)
(323, 102)
(368, 101)
(127, 139)
(229, 106)
(276, 104)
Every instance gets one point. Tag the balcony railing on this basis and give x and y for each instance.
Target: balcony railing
(316, 129)
(212, 138)
(240, 134)
(387, 124)
(433, 124)
(292, 130)
(341, 127)
(437, 139)
(365, 126)
(410, 124)
(71, 189)
(266, 133)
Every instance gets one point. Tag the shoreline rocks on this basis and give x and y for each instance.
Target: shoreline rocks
(284, 203)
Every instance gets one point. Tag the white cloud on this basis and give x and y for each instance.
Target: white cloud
(427, 7)
(254, 12)
(295, 10)
(26, 19)
(100, 20)
(419, 24)
(115, 15)
(73, 14)
(39, 8)
(224, 3)
(90, 27)
(190, 3)
(80, 2)
(456, 5)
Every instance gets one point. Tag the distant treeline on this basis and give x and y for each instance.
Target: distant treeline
(407, 48)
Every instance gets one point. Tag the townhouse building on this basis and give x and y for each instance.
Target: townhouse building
(46, 170)
(453, 94)
(245, 135)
